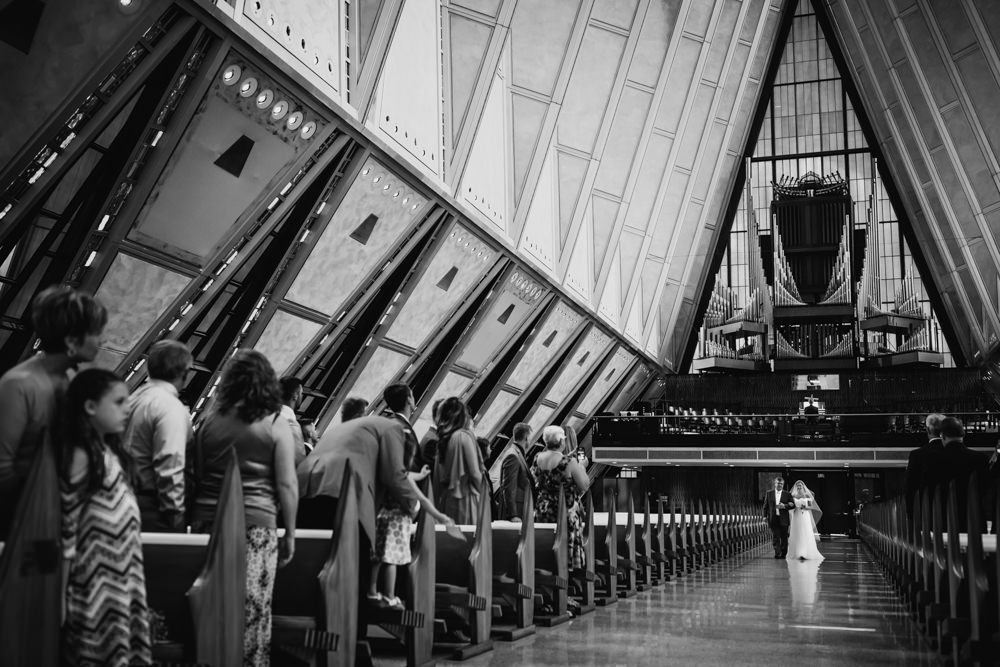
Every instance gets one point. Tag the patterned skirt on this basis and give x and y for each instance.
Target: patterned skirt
(262, 562)
(392, 537)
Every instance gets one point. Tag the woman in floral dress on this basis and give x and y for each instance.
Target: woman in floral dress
(554, 470)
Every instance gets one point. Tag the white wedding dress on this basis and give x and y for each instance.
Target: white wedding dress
(802, 534)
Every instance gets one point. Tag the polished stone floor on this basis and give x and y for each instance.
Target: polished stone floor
(751, 610)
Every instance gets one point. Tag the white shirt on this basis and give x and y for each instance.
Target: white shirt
(777, 501)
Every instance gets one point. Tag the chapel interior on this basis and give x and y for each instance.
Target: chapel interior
(724, 240)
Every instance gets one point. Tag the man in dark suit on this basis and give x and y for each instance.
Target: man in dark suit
(399, 406)
(959, 464)
(374, 447)
(924, 462)
(515, 483)
(776, 504)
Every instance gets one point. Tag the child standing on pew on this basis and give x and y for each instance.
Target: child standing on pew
(393, 528)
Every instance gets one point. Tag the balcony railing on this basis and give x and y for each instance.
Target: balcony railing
(756, 430)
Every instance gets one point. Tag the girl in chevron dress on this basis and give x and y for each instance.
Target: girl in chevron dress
(106, 619)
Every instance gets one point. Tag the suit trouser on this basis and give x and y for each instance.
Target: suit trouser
(779, 536)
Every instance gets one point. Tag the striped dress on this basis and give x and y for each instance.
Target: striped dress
(106, 616)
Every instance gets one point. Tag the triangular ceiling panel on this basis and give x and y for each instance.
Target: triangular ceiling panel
(527, 116)
(605, 212)
(610, 307)
(650, 283)
(409, 88)
(653, 340)
(466, 56)
(539, 238)
(572, 171)
(633, 323)
(578, 272)
(630, 246)
(485, 182)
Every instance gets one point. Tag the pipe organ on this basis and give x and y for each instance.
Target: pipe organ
(813, 295)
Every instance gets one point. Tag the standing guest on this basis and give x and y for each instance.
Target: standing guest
(245, 418)
(310, 436)
(106, 619)
(374, 447)
(68, 324)
(554, 470)
(923, 462)
(291, 397)
(458, 472)
(157, 435)
(515, 482)
(353, 408)
(959, 464)
(399, 407)
(427, 450)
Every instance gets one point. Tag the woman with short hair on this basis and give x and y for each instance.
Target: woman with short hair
(69, 324)
(554, 470)
(244, 419)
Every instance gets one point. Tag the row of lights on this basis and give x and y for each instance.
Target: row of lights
(248, 87)
(386, 187)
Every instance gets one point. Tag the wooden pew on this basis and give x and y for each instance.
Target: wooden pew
(937, 610)
(552, 569)
(628, 567)
(30, 569)
(606, 556)
(956, 626)
(464, 580)
(418, 586)
(673, 552)
(582, 581)
(218, 595)
(645, 548)
(683, 545)
(514, 574)
(982, 643)
(661, 558)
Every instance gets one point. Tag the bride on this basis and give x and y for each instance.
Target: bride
(802, 534)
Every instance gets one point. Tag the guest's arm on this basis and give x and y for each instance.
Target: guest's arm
(171, 433)
(470, 450)
(578, 475)
(508, 484)
(287, 484)
(13, 423)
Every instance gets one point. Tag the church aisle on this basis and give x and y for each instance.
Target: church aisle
(752, 610)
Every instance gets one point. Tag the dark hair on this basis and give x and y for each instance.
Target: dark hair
(249, 386)
(521, 431)
(353, 408)
(452, 416)
(952, 429)
(78, 429)
(396, 396)
(61, 312)
(435, 407)
(168, 360)
(289, 387)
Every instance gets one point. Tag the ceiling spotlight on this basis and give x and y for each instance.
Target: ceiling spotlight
(279, 109)
(248, 87)
(294, 120)
(231, 75)
(265, 98)
(308, 130)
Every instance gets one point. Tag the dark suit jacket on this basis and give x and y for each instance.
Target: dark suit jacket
(959, 463)
(374, 446)
(515, 483)
(769, 507)
(411, 435)
(923, 469)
